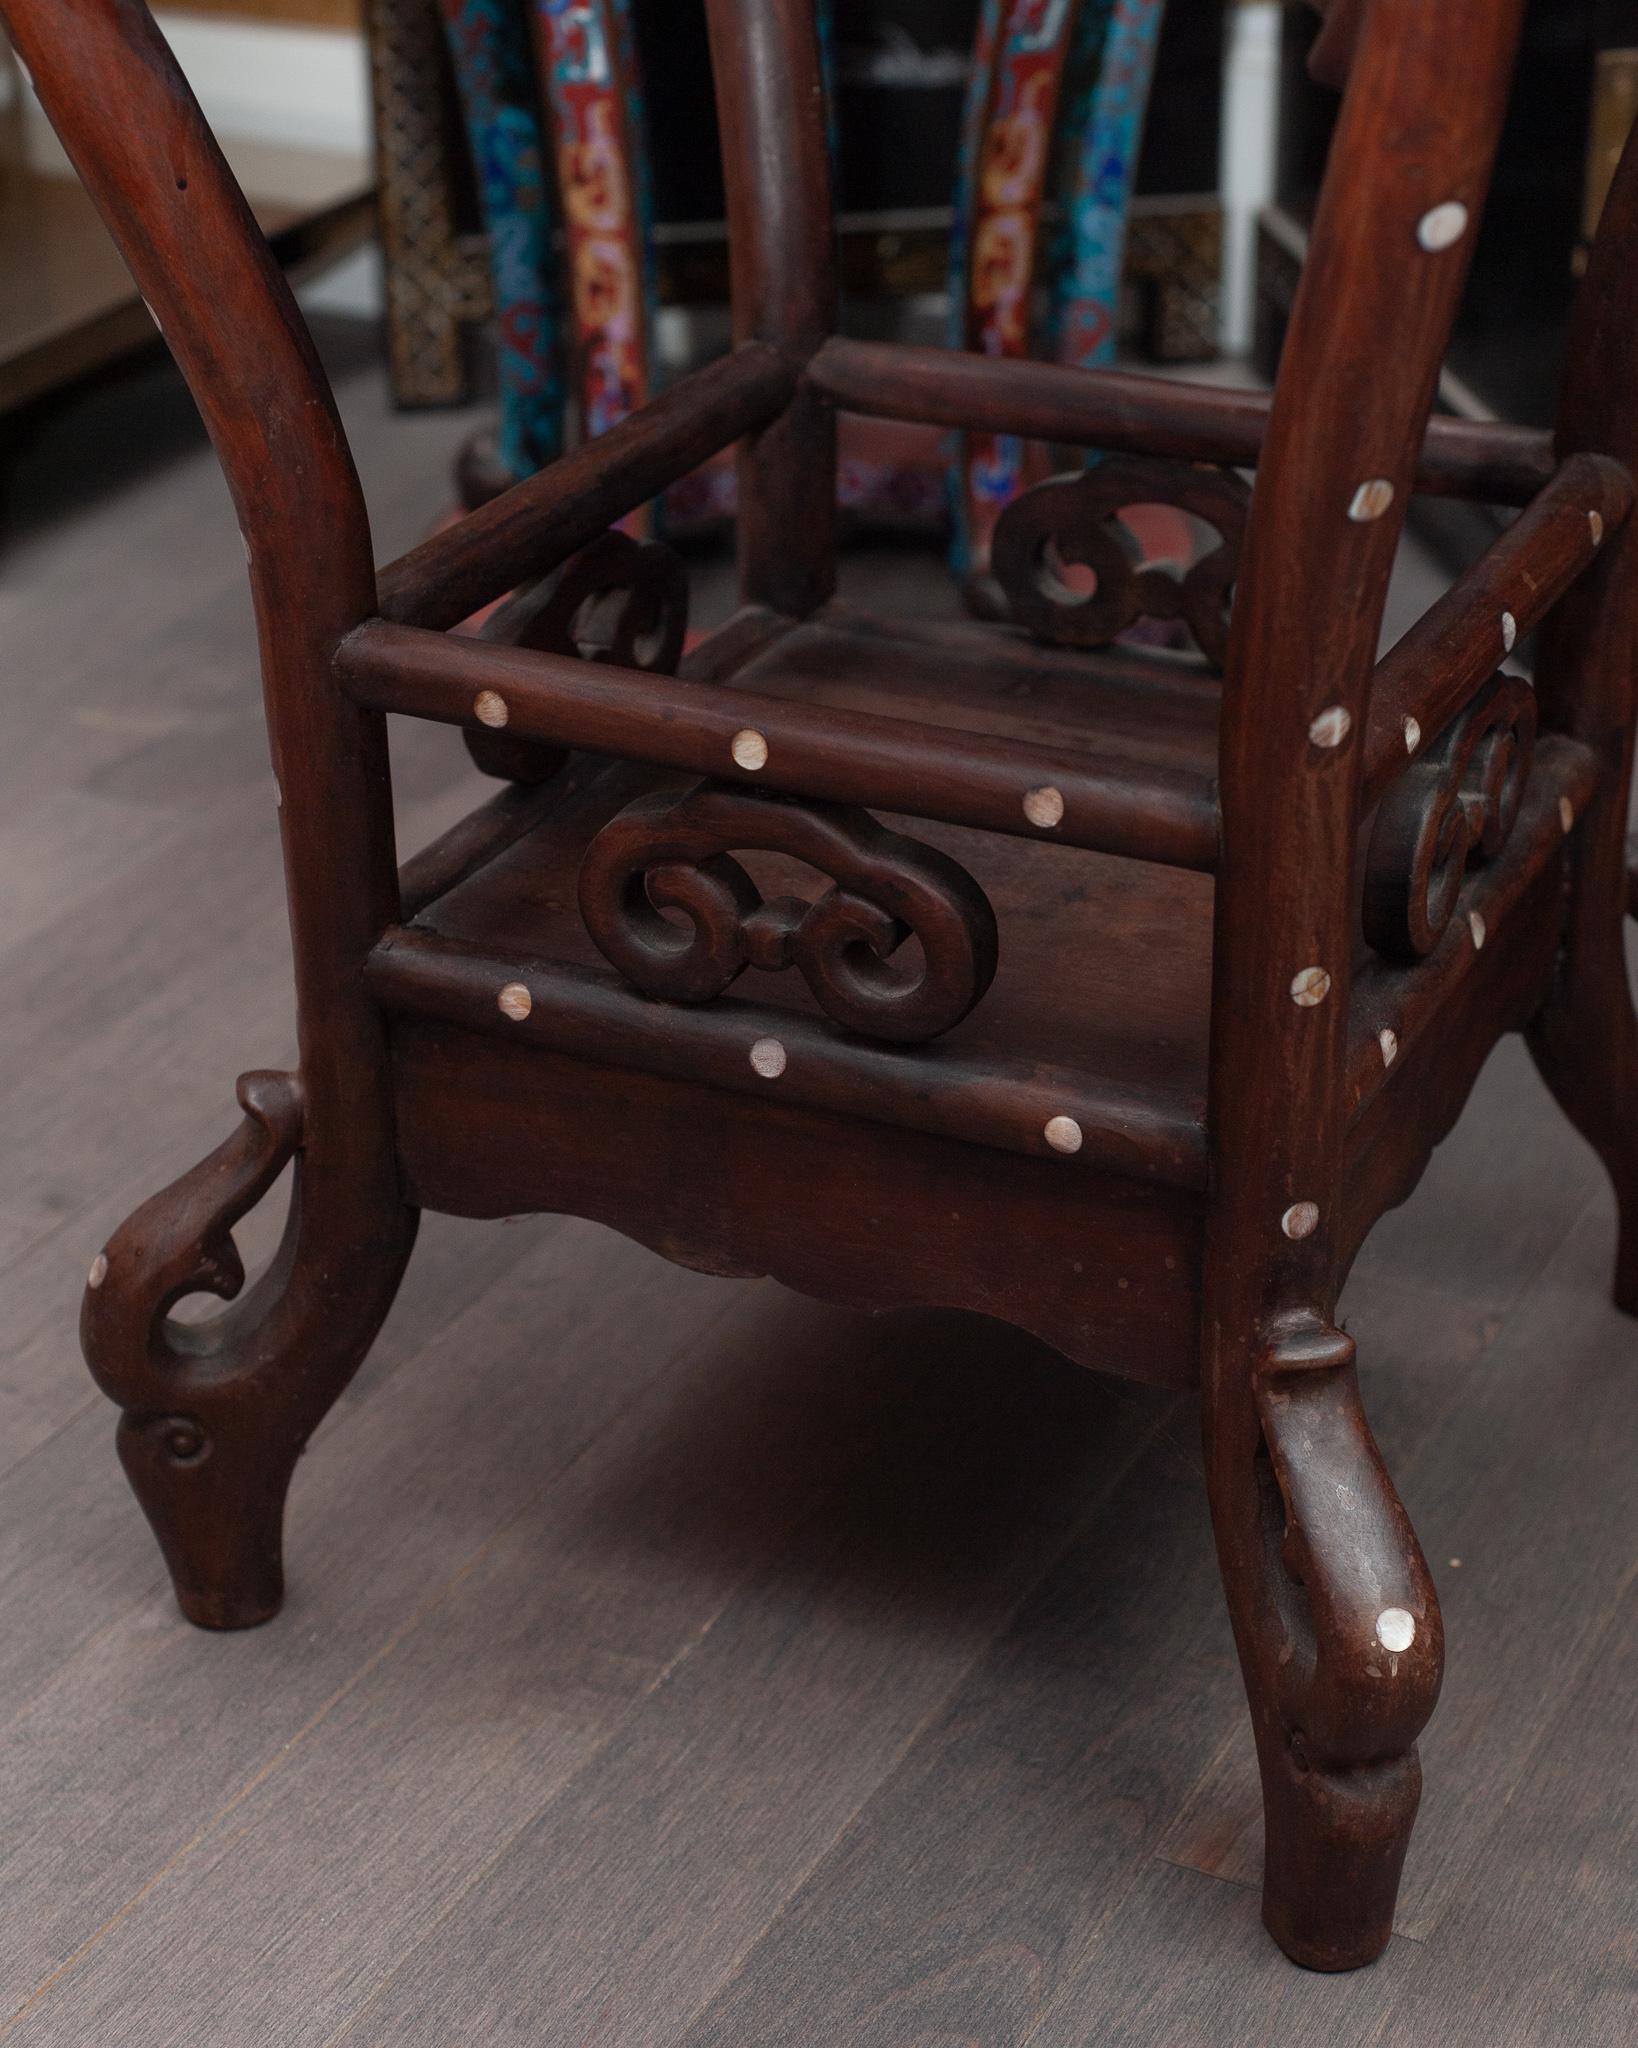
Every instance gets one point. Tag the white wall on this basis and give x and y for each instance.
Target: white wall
(1251, 87)
(305, 86)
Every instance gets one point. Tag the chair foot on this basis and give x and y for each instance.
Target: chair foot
(216, 1414)
(1334, 1847)
(1340, 1640)
(216, 1503)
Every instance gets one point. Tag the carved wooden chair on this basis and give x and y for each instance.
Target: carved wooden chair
(1147, 994)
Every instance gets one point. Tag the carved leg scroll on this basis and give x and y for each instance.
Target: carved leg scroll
(216, 1414)
(1339, 1634)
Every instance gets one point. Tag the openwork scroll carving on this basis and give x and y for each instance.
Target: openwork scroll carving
(216, 1412)
(1341, 1630)
(618, 600)
(674, 852)
(1073, 522)
(1452, 807)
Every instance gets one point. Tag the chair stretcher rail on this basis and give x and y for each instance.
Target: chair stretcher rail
(1120, 411)
(1462, 640)
(1406, 1002)
(530, 529)
(1134, 808)
(583, 1014)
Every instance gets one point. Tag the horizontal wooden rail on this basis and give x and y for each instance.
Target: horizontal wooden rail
(1120, 411)
(472, 843)
(1405, 1002)
(587, 1014)
(1431, 673)
(796, 745)
(539, 523)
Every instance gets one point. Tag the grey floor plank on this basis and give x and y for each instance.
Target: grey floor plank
(1543, 1941)
(977, 1882)
(624, 1905)
(151, 1727)
(608, 1571)
(979, 1873)
(1183, 1962)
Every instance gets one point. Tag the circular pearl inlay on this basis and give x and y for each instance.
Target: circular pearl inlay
(515, 1001)
(1476, 925)
(99, 1270)
(768, 1058)
(1443, 227)
(1413, 735)
(1371, 500)
(1510, 632)
(1310, 987)
(1044, 807)
(750, 750)
(1301, 1219)
(489, 708)
(1395, 1629)
(1389, 1042)
(1063, 1134)
(1331, 727)
(1595, 523)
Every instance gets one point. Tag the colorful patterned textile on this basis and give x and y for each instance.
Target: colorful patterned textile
(588, 70)
(1025, 49)
(490, 50)
(1103, 131)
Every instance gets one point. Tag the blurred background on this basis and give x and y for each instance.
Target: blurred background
(520, 206)
(665, 1654)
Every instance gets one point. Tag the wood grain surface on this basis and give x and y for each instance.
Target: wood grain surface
(669, 1660)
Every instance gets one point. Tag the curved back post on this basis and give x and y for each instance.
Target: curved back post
(1409, 168)
(766, 61)
(135, 135)
(134, 132)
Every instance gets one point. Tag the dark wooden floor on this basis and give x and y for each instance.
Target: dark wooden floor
(669, 1660)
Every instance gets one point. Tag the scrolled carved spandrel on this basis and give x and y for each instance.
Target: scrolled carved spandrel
(180, 1243)
(618, 600)
(1072, 522)
(671, 852)
(216, 1412)
(1453, 807)
(1352, 1642)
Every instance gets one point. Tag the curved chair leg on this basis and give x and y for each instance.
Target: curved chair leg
(1339, 1634)
(216, 1414)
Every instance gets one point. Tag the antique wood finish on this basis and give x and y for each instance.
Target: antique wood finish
(1335, 1613)
(539, 523)
(1148, 809)
(1128, 996)
(491, 1130)
(214, 1419)
(1075, 520)
(1437, 666)
(776, 168)
(1132, 414)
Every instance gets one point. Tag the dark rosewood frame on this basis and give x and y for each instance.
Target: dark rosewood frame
(1333, 1072)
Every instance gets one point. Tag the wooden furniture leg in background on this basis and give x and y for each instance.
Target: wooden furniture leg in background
(1586, 1040)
